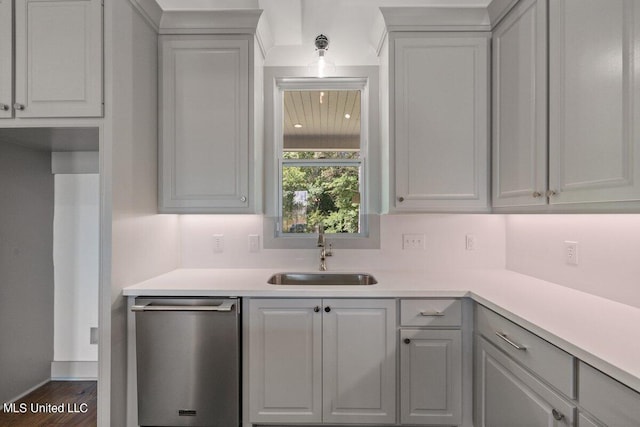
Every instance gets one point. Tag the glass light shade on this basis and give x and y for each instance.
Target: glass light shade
(321, 66)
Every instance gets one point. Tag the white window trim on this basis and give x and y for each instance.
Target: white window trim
(364, 79)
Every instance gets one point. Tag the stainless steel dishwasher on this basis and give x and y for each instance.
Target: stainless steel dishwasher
(188, 361)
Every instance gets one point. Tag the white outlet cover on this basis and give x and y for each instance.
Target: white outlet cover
(571, 252)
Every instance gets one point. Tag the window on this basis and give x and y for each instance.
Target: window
(321, 157)
(321, 163)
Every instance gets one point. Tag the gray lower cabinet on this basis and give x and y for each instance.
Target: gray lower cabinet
(509, 395)
(431, 377)
(611, 402)
(586, 421)
(322, 360)
(431, 361)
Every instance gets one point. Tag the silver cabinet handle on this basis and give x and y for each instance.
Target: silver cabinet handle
(225, 306)
(557, 415)
(19, 107)
(537, 194)
(243, 199)
(431, 313)
(552, 193)
(4, 107)
(511, 343)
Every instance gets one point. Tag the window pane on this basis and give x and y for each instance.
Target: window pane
(327, 194)
(322, 121)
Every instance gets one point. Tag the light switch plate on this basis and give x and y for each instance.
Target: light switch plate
(414, 242)
(217, 241)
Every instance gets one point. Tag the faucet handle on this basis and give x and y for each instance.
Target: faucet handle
(330, 251)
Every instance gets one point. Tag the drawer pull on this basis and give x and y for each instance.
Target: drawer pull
(431, 313)
(511, 343)
(557, 415)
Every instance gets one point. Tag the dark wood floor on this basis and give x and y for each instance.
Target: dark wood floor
(76, 399)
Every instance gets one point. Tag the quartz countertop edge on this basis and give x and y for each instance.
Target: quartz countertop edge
(596, 330)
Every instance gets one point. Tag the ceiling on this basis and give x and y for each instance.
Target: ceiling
(294, 24)
(327, 120)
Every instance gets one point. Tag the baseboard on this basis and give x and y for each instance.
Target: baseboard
(20, 396)
(74, 371)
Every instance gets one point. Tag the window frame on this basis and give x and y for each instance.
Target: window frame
(311, 84)
(377, 155)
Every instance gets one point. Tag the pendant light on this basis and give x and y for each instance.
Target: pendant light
(321, 66)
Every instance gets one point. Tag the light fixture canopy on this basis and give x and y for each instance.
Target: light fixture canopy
(321, 66)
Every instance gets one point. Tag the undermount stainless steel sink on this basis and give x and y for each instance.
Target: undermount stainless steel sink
(321, 279)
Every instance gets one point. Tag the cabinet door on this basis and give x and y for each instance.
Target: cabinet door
(431, 377)
(285, 367)
(204, 130)
(594, 100)
(585, 421)
(58, 50)
(6, 53)
(441, 122)
(520, 106)
(508, 395)
(359, 361)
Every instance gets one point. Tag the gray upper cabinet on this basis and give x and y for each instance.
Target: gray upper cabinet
(206, 111)
(594, 100)
(439, 121)
(520, 106)
(6, 65)
(58, 58)
(593, 96)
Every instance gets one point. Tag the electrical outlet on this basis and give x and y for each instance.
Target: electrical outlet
(254, 243)
(413, 242)
(218, 243)
(571, 252)
(470, 242)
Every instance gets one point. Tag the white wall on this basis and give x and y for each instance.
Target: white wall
(76, 269)
(444, 236)
(139, 243)
(608, 252)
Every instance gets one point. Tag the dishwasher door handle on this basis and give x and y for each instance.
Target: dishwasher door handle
(225, 306)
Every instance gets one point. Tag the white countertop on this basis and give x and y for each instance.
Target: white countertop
(601, 332)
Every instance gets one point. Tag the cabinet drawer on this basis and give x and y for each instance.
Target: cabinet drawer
(610, 401)
(553, 365)
(430, 312)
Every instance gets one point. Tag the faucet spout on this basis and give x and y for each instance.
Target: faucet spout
(321, 239)
(321, 244)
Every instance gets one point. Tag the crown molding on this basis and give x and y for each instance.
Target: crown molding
(218, 21)
(436, 18)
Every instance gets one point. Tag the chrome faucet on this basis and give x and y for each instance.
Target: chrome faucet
(321, 244)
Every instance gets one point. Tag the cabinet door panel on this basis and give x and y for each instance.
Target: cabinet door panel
(520, 106)
(359, 361)
(431, 377)
(594, 100)
(6, 53)
(58, 49)
(508, 395)
(285, 361)
(204, 123)
(441, 122)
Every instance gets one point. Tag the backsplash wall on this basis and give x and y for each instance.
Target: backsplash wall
(444, 244)
(608, 252)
